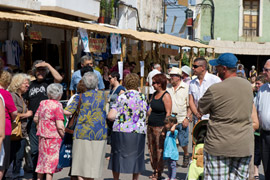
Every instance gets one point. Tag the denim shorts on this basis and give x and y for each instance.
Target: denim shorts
(182, 135)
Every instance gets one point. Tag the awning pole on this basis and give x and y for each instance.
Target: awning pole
(122, 56)
(191, 57)
(181, 57)
(213, 56)
(142, 54)
(71, 62)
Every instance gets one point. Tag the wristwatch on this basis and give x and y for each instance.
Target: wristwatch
(187, 118)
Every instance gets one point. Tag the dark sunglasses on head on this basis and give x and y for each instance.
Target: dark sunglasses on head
(195, 66)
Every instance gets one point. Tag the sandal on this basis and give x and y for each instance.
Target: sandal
(256, 177)
(185, 161)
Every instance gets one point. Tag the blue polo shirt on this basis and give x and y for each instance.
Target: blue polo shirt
(76, 77)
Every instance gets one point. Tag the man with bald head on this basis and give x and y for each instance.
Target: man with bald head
(262, 103)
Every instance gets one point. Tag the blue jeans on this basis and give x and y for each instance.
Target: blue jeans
(171, 168)
(17, 154)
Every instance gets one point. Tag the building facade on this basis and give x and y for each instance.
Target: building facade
(237, 26)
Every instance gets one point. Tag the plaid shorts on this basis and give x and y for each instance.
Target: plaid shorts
(225, 168)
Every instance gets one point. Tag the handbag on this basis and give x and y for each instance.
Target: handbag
(16, 133)
(107, 106)
(65, 152)
(73, 121)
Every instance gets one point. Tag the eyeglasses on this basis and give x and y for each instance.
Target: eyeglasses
(196, 66)
(109, 78)
(154, 83)
(266, 69)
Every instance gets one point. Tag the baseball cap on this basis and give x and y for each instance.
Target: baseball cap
(225, 59)
(176, 71)
(186, 69)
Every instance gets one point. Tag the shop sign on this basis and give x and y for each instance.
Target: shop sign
(35, 35)
(97, 45)
(168, 51)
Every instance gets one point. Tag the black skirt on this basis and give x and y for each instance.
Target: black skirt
(127, 153)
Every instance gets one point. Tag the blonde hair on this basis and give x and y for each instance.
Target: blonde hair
(17, 81)
(132, 81)
(5, 79)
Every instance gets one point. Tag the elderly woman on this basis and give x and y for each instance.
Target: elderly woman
(50, 130)
(160, 108)
(90, 132)
(10, 113)
(18, 86)
(129, 129)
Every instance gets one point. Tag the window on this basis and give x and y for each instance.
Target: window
(251, 18)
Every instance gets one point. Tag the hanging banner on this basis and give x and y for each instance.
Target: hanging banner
(35, 35)
(84, 37)
(74, 45)
(97, 45)
(120, 69)
(115, 44)
(142, 68)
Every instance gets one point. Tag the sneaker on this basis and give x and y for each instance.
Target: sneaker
(185, 161)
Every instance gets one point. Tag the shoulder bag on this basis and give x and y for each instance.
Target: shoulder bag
(73, 121)
(16, 133)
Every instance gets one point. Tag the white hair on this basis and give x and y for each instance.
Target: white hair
(156, 66)
(55, 91)
(90, 80)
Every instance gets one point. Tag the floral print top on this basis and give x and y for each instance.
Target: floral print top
(131, 108)
(91, 124)
(48, 112)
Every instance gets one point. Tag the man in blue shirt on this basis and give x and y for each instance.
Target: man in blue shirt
(76, 77)
(263, 108)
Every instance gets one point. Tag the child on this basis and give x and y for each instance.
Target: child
(170, 149)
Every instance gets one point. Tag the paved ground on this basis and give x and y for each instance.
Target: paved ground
(107, 174)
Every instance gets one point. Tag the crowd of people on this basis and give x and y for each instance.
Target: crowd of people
(237, 110)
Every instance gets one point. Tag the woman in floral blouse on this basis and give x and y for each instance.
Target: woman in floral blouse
(129, 129)
(90, 133)
(50, 129)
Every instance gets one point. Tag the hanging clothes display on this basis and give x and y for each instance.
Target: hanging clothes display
(13, 52)
(115, 44)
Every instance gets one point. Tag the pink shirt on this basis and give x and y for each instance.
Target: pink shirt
(48, 112)
(9, 108)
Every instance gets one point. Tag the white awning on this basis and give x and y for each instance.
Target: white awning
(241, 48)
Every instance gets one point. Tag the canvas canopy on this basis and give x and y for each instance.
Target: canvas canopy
(35, 18)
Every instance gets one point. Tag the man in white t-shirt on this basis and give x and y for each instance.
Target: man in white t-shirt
(156, 70)
(199, 85)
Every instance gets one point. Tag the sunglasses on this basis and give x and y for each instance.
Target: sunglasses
(154, 83)
(109, 78)
(196, 66)
(266, 69)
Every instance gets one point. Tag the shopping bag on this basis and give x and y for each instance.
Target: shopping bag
(65, 153)
(16, 133)
(2, 155)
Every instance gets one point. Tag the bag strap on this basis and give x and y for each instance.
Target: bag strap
(77, 111)
(112, 93)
